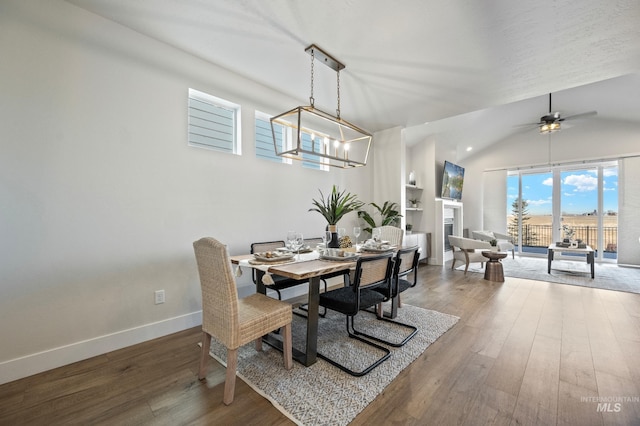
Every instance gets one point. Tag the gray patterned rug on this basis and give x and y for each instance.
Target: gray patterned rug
(322, 394)
(608, 276)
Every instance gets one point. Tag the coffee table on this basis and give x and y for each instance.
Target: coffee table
(588, 251)
(493, 270)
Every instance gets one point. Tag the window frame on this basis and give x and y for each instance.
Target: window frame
(235, 146)
(557, 171)
(263, 116)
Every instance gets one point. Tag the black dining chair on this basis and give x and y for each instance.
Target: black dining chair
(370, 272)
(405, 262)
(408, 258)
(279, 282)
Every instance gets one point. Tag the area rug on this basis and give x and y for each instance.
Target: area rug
(607, 276)
(322, 394)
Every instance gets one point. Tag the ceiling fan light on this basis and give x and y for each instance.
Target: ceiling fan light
(549, 127)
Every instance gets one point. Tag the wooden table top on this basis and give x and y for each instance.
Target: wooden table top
(301, 270)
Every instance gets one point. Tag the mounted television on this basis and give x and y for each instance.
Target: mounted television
(452, 180)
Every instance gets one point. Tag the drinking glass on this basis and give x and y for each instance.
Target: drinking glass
(356, 233)
(291, 238)
(298, 242)
(327, 238)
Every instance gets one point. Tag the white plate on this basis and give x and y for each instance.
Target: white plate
(305, 249)
(376, 250)
(381, 242)
(278, 257)
(349, 256)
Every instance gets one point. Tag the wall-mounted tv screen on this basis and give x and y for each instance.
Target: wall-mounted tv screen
(452, 180)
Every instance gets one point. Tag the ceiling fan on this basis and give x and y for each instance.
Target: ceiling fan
(551, 122)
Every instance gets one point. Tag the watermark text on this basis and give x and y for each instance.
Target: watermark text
(610, 404)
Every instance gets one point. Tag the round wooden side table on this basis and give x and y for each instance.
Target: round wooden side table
(493, 270)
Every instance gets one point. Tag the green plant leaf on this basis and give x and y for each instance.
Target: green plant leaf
(389, 215)
(336, 205)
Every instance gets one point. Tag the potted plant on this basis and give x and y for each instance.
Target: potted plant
(333, 208)
(415, 202)
(389, 214)
(494, 244)
(408, 228)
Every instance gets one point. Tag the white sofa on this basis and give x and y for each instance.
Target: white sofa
(505, 242)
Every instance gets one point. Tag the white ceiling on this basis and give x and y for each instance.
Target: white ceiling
(410, 62)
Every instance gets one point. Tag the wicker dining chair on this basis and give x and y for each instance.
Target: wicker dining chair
(231, 320)
(393, 234)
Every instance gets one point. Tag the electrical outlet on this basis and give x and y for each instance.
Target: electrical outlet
(159, 296)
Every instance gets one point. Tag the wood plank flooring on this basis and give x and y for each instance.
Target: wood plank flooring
(524, 352)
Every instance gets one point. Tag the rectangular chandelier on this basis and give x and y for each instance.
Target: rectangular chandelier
(308, 134)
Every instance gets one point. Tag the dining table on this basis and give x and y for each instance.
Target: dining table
(310, 267)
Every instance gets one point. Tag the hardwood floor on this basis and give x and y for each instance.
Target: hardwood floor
(523, 352)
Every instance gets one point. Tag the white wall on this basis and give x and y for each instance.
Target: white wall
(629, 240)
(100, 196)
(421, 159)
(494, 202)
(389, 164)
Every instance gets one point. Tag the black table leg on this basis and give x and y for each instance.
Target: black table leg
(591, 261)
(549, 259)
(312, 321)
(260, 288)
(310, 356)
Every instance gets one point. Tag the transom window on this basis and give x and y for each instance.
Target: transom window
(214, 123)
(284, 138)
(264, 139)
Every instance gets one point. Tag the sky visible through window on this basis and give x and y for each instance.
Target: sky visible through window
(578, 186)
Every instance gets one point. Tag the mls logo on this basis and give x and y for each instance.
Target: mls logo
(607, 407)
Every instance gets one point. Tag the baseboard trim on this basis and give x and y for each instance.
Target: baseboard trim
(29, 365)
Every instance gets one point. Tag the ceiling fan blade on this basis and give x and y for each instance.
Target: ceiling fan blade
(581, 115)
(527, 124)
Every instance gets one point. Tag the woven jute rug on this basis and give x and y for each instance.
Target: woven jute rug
(322, 394)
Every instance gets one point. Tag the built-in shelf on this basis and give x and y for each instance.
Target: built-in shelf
(413, 192)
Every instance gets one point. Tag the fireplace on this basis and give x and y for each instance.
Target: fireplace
(448, 222)
(448, 230)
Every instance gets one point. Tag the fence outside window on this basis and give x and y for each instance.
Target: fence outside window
(541, 236)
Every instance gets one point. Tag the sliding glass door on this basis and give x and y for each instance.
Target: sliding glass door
(530, 216)
(608, 225)
(547, 205)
